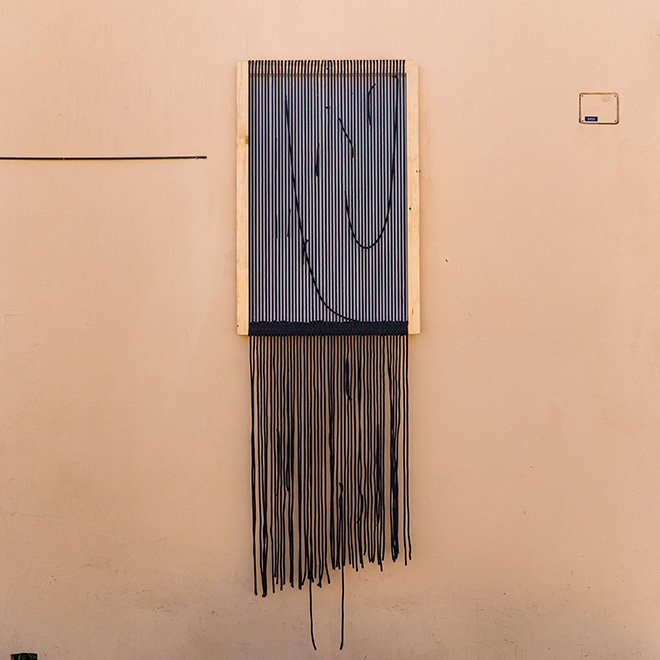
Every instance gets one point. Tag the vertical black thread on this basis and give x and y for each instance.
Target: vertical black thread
(406, 458)
(343, 596)
(252, 466)
(311, 616)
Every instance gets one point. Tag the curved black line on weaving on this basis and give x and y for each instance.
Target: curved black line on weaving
(392, 169)
(347, 136)
(388, 212)
(305, 241)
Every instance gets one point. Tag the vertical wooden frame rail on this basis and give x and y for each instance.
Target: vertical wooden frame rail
(242, 197)
(412, 173)
(242, 200)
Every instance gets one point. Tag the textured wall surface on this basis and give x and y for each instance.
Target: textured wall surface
(535, 384)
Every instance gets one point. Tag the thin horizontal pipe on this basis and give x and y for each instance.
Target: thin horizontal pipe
(101, 157)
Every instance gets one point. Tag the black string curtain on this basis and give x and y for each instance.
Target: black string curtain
(328, 318)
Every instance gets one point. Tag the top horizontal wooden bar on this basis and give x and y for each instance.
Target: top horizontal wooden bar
(334, 70)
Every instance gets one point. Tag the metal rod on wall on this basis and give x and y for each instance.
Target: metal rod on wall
(101, 157)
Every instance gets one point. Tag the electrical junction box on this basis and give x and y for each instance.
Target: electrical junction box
(599, 108)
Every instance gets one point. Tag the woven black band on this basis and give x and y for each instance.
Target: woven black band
(284, 328)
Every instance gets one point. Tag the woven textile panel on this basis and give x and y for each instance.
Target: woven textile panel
(328, 293)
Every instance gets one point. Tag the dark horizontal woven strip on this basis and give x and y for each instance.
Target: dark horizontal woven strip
(282, 328)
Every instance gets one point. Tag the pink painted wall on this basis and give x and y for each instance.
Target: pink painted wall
(535, 384)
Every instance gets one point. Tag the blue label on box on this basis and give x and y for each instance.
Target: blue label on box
(591, 119)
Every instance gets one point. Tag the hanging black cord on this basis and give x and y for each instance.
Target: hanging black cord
(343, 593)
(343, 561)
(311, 615)
(253, 466)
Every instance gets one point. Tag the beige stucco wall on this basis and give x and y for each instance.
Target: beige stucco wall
(535, 384)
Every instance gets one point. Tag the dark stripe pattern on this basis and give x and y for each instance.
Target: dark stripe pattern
(327, 194)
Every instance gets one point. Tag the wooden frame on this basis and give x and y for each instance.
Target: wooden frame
(242, 201)
(412, 172)
(242, 197)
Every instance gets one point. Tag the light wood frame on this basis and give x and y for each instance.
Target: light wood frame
(242, 197)
(242, 201)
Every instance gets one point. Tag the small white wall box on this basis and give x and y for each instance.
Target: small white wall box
(599, 108)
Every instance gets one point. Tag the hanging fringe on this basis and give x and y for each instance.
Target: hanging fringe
(329, 455)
